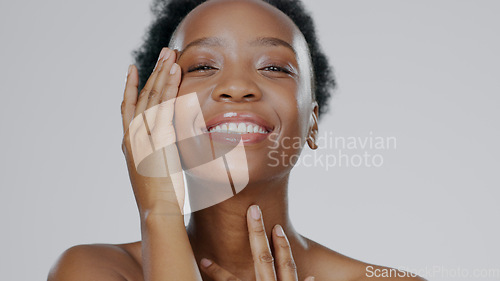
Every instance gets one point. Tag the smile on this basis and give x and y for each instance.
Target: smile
(231, 127)
(238, 128)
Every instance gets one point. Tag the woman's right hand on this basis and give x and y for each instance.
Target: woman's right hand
(149, 140)
(151, 154)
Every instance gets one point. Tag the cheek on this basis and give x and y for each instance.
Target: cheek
(203, 89)
(198, 85)
(289, 140)
(188, 123)
(291, 105)
(192, 111)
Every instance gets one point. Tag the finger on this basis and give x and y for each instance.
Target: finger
(285, 265)
(261, 252)
(172, 89)
(165, 115)
(310, 278)
(144, 95)
(162, 79)
(160, 117)
(129, 97)
(161, 125)
(163, 132)
(216, 272)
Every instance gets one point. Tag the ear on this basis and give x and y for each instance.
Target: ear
(313, 127)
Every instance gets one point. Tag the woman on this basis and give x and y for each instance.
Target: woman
(248, 63)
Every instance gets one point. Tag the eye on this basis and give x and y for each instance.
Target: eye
(201, 68)
(277, 68)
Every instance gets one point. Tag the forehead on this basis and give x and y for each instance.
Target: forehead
(236, 21)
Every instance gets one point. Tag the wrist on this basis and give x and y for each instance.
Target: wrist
(165, 213)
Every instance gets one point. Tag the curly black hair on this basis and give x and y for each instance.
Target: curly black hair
(167, 14)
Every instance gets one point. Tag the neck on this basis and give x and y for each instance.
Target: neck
(220, 232)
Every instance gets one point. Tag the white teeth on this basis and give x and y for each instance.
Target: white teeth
(242, 128)
(238, 128)
(232, 127)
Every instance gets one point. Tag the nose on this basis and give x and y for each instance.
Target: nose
(236, 86)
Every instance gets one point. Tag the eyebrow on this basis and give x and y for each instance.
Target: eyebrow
(219, 42)
(272, 41)
(205, 41)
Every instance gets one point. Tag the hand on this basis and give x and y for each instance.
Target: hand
(149, 140)
(265, 268)
(149, 143)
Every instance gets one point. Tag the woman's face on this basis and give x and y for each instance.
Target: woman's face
(249, 65)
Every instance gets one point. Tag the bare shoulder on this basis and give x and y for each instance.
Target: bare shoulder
(331, 265)
(107, 262)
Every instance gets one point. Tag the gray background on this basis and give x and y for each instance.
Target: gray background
(425, 72)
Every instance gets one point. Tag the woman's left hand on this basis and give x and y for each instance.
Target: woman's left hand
(267, 268)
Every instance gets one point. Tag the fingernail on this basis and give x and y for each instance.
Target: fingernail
(173, 70)
(255, 212)
(129, 69)
(310, 278)
(206, 262)
(279, 231)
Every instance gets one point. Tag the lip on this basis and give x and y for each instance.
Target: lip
(238, 117)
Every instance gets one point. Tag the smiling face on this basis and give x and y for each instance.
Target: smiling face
(250, 67)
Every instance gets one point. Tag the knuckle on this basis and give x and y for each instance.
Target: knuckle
(126, 142)
(144, 92)
(289, 264)
(214, 270)
(123, 106)
(284, 245)
(266, 258)
(259, 230)
(153, 93)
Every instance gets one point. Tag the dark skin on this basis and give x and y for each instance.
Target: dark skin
(242, 74)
